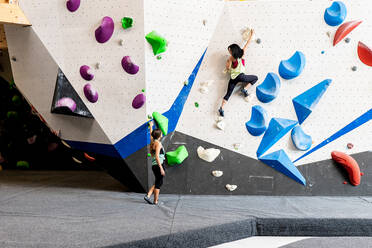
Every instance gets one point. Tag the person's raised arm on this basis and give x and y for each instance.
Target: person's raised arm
(248, 41)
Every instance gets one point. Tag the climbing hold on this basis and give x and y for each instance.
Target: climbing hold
(129, 66)
(143, 90)
(158, 43)
(246, 33)
(335, 14)
(98, 65)
(350, 146)
(66, 102)
(278, 127)
(121, 42)
(236, 146)
(344, 182)
(322, 52)
(221, 125)
(90, 93)
(86, 73)
(12, 115)
(328, 34)
(196, 105)
(230, 187)
(31, 140)
(204, 22)
(204, 86)
(291, 68)
(354, 68)
(220, 118)
(204, 90)
(73, 5)
(362, 174)
(105, 30)
(280, 161)
(365, 54)
(349, 164)
(23, 164)
(158, 57)
(347, 40)
(126, 22)
(257, 125)
(77, 160)
(65, 144)
(305, 103)
(300, 139)
(139, 101)
(268, 90)
(148, 154)
(258, 41)
(149, 117)
(344, 30)
(89, 158)
(186, 82)
(14, 58)
(177, 156)
(162, 122)
(209, 154)
(217, 173)
(16, 100)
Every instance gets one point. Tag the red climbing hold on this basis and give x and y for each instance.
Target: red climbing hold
(350, 145)
(344, 182)
(89, 158)
(344, 30)
(362, 174)
(349, 164)
(365, 54)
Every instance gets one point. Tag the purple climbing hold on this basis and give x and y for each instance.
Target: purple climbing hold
(138, 101)
(105, 30)
(85, 73)
(129, 66)
(66, 102)
(90, 93)
(73, 5)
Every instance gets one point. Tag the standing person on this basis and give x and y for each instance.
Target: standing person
(158, 157)
(235, 65)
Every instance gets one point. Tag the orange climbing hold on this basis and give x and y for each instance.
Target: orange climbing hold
(365, 54)
(89, 158)
(349, 164)
(344, 30)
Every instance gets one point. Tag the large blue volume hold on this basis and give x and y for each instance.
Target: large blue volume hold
(278, 127)
(305, 103)
(268, 90)
(257, 125)
(292, 67)
(335, 14)
(280, 161)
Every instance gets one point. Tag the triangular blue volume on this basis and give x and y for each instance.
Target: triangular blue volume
(280, 161)
(278, 127)
(305, 103)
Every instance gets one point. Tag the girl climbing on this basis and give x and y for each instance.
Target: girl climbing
(158, 157)
(235, 65)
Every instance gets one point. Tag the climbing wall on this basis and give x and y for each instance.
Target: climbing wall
(283, 28)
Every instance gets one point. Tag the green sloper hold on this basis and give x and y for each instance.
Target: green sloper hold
(162, 122)
(177, 156)
(158, 43)
(23, 164)
(126, 22)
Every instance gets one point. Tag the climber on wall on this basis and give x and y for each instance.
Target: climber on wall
(158, 156)
(235, 65)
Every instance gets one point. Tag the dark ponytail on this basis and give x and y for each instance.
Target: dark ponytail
(155, 134)
(236, 51)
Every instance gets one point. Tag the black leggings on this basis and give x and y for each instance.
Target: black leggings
(249, 79)
(158, 176)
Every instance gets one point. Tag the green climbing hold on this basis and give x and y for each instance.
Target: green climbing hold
(149, 117)
(196, 104)
(16, 100)
(158, 43)
(177, 156)
(127, 22)
(23, 164)
(158, 57)
(12, 115)
(162, 122)
(148, 154)
(143, 90)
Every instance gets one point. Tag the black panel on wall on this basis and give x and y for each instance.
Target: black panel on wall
(64, 89)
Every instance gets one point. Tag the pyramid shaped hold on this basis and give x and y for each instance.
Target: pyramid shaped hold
(268, 90)
(278, 127)
(335, 14)
(305, 103)
(257, 125)
(280, 161)
(161, 121)
(291, 68)
(177, 156)
(158, 43)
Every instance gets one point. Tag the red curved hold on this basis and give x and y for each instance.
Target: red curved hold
(365, 54)
(344, 30)
(89, 158)
(349, 164)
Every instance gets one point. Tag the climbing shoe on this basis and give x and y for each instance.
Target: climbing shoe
(245, 92)
(222, 113)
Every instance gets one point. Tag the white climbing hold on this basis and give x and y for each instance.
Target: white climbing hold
(204, 90)
(329, 34)
(219, 118)
(248, 98)
(204, 86)
(209, 154)
(121, 42)
(217, 173)
(98, 65)
(230, 187)
(186, 82)
(65, 144)
(221, 125)
(237, 146)
(76, 160)
(247, 33)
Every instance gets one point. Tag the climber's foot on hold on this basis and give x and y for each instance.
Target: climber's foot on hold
(221, 112)
(245, 92)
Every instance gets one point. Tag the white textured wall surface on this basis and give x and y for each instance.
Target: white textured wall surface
(284, 27)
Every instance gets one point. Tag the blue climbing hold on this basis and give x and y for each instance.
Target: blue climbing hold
(278, 127)
(280, 161)
(291, 68)
(257, 125)
(335, 14)
(268, 90)
(300, 139)
(305, 103)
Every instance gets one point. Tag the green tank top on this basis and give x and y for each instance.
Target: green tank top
(240, 68)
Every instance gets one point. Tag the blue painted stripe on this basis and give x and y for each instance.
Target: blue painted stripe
(104, 149)
(364, 118)
(140, 137)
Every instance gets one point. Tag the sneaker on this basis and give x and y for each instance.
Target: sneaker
(222, 113)
(245, 92)
(148, 200)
